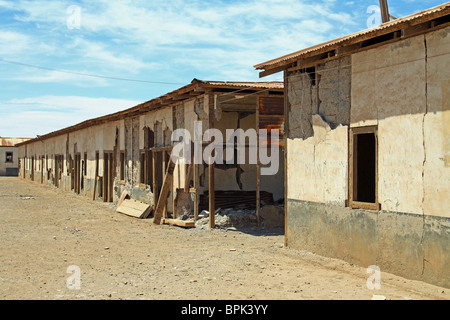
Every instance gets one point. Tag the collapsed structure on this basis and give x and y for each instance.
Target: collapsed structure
(130, 150)
(368, 146)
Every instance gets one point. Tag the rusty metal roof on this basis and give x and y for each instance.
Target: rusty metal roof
(196, 87)
(248, 85)
(387, 27)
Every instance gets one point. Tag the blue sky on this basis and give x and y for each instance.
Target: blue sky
(165, 44)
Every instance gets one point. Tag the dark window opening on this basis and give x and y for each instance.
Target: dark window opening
(365, 168)
(142, 168)
(9, 157)
(122, 166)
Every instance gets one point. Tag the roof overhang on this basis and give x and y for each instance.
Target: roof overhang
(195, 88)
(395, 30)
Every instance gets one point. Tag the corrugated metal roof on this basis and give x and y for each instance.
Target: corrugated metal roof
(390, 26)
(249, 85)
(178, 95)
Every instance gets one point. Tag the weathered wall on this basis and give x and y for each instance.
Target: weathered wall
(402, 88)
(9, 168)
(317, 149)
(400, 243)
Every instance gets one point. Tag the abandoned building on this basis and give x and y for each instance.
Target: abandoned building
(368, 146)
(9, 156)
(128, 152)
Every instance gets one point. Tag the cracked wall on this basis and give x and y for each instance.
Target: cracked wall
(403, 88)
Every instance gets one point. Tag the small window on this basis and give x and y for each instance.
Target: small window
(9, 157)
(363, 168)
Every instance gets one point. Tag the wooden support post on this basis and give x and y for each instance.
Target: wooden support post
(211, 189)
(258, 166)
(285, 137)
(164, 169)
(167, 184)
(155, 181)
(195, 180)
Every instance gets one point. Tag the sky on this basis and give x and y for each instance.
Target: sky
(63, 62)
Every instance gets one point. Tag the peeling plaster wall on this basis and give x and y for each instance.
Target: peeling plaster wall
(317, 167)
(317, 145)
(403, 88)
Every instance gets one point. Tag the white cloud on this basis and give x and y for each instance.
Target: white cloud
(28, 117)
(12, 43)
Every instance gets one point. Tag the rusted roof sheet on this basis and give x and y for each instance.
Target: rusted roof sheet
(394, 25)
(10, 142)
(249, 85)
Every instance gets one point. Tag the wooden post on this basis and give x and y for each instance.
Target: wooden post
(384, 11)
(258, 165)
(285, 163)
(167, 184)
(155, 181)
(195, 173)
(211, 189)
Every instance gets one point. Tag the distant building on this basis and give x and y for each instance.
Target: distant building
(9, 156)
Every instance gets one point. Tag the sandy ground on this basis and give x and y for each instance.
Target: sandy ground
(44, 232)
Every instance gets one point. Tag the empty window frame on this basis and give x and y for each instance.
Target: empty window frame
(363, 168)
(9, 157)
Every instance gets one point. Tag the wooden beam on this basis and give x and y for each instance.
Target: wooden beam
(155, 180)
(285, 138)
(258, 165)
(384, 11)
(178, 223)
(211, 189)
(167, 184)
(268, 72)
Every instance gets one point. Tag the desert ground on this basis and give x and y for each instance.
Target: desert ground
(61, 246)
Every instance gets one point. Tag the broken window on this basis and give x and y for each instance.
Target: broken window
(363, 168)
(9, 157)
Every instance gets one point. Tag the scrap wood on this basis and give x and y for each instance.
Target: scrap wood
(179, 223)
(134, 208)
(167, 183)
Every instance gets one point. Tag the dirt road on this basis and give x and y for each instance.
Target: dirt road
(50, 239)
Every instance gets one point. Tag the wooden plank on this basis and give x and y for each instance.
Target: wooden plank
(167, 184)
(122, 198)
(178, 223)
(134, 208)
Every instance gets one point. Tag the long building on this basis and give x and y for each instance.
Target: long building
(129, 151)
